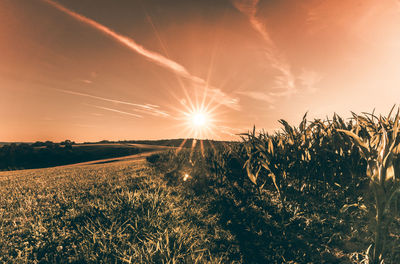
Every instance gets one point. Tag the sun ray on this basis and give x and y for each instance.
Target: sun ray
(199, 108)
(194, 142)
(181, 146)
(211, 66)
(202, 148)
(164, 48)
(213, 147)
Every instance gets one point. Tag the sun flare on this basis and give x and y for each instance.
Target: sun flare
(199, 122)
(199, 119)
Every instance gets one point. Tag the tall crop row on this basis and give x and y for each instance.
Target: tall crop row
(322, 154)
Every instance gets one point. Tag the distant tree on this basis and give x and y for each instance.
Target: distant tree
(50, 144)
(67, 143)
(38, 144)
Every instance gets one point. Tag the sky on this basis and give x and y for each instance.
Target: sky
(88, 70)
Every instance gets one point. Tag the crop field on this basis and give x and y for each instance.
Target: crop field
(323, 192)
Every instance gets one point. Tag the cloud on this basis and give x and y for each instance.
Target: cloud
(219, 97)
(286, 83)
(351, 15)
(153, 111)
(286, 80)
(308, 79)
(150, 55)
(117, 111)
(87, 81)
(130, 43)
(143, 108)
(256, 95)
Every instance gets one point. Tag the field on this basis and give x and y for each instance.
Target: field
(322, 192)
(100, 213)
(49, 154)
(124, 212)
(129, 212)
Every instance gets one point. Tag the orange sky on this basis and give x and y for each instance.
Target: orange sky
(88, 70)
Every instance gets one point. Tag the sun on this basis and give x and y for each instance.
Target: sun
(198, 116)
(199, 122)
(199, 119)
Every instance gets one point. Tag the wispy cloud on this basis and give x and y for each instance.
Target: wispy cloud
(286, 80)
(153, 111)
(309, 79)
(143, 108)
(117, 111)
(287, 83)
(130, 43)
(256, 95)
(329, 14)
(87, 81)
(155, 57)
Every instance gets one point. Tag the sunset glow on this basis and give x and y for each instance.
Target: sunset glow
(99, 69)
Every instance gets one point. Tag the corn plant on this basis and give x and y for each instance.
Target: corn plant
(314, 155)
(266, 155)
(378, 141)
(325, 153)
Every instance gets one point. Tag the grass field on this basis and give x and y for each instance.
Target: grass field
(118, 212)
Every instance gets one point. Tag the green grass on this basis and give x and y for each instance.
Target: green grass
(108, 213)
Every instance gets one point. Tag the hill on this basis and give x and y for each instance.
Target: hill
(28, 156)
(47, 154)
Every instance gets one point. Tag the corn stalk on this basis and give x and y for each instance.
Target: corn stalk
(379, 146)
